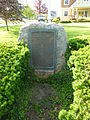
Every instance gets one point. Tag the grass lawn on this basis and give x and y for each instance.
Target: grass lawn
(11, 35)
(77, 29)
(72, 29)
(61, 82)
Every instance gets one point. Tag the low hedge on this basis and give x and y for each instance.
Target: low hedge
(76, 43)
(56, 20)
(13, 65)
(83, 19)
(68, 21)
(79, 63)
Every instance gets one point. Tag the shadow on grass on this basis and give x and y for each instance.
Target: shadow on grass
(11, 35)
(77, 26)
(13, 30)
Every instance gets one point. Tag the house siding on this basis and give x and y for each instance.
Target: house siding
(88, 12)
(72, 11)
(66, 6)
(66, 18)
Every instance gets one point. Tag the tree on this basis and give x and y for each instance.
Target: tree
(40, 7)
(28, 12)
(10, 10)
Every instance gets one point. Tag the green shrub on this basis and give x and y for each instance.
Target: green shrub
(13, 64)
(69, 21)
(83, 19)
(56, 20)
(78, 42)
(67, 53)
(79, 62)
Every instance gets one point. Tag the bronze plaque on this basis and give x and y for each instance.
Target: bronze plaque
(42, 49)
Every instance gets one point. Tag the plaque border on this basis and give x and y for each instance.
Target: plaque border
(55, 47)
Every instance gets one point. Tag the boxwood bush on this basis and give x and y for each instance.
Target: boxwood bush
(76, 43)
(13, 65)
(56, 20)
(83, 19)
(67, 21)
(79, 63)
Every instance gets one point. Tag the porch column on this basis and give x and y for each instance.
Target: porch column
(49, 11)
(72, 11)
(76, 12)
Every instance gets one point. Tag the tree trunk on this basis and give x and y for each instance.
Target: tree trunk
(6, 25)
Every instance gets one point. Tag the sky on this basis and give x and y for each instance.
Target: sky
(54, 4)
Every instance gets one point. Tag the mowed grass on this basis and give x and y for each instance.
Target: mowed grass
(77, 29)
(11, 35)
(72, 29)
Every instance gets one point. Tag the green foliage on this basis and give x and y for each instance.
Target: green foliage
(75, 43)
(82, 20)
(61, 97)
(56, 20)
(28, 12)
(21, 103)
(79, 63)
(78, 42)
(69, 21)
(10, 10)
(62, 83)
(67, 53)
(13, 65)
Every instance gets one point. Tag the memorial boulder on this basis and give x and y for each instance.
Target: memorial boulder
(47, 43)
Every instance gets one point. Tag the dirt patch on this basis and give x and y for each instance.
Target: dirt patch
(41, 92)
(41, 103)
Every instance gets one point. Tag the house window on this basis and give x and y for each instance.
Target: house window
(86, 13)
(65, 13)
(66, 2)
(85, 0)
(82, 13)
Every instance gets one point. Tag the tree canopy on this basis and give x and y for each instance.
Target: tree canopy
(40, 7)
(10, 9)
(28, 12)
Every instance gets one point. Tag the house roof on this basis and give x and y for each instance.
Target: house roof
(78, 4)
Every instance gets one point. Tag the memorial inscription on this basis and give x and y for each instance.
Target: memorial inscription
(43, 53)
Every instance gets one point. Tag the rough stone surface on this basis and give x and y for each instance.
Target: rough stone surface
(61, 42)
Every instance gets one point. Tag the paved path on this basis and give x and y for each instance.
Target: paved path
(17, 23)
(11, 24)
